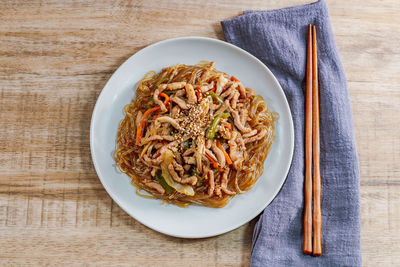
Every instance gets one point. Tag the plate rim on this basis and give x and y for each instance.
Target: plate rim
(115, 198)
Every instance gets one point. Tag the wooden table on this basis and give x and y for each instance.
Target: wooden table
(55, 57)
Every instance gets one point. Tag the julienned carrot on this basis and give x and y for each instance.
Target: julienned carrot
(227, 158)
(142, 123)
(229, 126)
(307, 245)
(234, 79)
(166, 98)
(198, 94)
(214, 163)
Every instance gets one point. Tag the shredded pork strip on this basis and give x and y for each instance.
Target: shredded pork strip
(211, 181)
(138, 118)
(192, 99)
(199, 151)
(257, 137)
(224, 182)
(158, 101)
(220, 155)
(156, 186)
(235, 99)
(157, 138)
(176, 85)
(222, 108)
(181, 103)
(220, 84)
(169, 120)
(242, 90)
(244, 114)
(238, 122)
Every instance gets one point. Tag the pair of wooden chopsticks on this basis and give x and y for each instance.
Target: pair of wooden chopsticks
(312, 179)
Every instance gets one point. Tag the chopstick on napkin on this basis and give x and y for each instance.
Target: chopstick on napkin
(278, 39)
(312, 177)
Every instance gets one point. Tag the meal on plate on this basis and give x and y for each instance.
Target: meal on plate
(194, 135)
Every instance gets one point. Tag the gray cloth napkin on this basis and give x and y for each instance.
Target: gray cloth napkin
(278, 38)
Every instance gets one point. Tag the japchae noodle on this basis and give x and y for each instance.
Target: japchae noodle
(194, 135)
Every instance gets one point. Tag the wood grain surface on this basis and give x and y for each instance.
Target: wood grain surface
(56, 56)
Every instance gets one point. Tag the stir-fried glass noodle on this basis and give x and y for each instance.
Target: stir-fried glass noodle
(194, 135)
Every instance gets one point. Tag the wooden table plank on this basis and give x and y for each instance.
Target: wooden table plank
(56, 56)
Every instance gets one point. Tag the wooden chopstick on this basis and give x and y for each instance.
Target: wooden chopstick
(307, 245)
(316, 152)
(312, 177)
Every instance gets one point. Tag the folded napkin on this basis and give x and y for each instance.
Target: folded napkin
(278, 38)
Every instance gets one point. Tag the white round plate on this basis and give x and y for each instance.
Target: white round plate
(194, 221)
